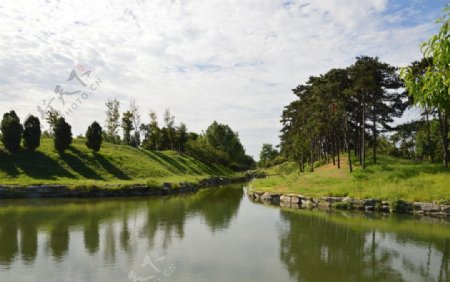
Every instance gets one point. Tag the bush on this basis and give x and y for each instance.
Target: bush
(11, 131)
(63, 135)
(32, 133)
(94, 137)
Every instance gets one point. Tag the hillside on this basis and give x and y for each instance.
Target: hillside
(114, 164)
(389, 179)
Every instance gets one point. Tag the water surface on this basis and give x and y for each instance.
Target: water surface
(214, 235)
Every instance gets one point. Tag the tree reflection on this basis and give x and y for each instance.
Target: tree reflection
(315, 248)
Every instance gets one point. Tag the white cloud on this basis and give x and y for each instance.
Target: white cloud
(231, 61)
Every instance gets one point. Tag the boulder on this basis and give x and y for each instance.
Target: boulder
(426, 207)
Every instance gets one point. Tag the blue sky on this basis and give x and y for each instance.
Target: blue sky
(232, 61)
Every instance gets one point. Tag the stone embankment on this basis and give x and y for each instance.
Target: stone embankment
(298, 201)
(62, 191)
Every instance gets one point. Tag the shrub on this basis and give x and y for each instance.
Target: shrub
(11, 131)
(63, 135)
(94, 137)
(32, 133)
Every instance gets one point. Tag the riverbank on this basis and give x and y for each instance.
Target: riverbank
(296, 201)
(113, 190)
(390, 179)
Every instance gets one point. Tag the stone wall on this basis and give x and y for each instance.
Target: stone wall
(62, 191)
(300, 201)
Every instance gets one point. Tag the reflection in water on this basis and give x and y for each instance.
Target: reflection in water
(213, 235)
(315, 246)
(57, 217)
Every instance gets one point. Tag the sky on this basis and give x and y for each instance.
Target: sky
(232, 61)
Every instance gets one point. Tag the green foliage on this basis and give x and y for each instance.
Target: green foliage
(127, 126)
(52, 117)
(267, 155)
(222, 138)
(32, 133)
(94, 137)
(62, 135)
(432, 87)
(112, 121)
(11, 131)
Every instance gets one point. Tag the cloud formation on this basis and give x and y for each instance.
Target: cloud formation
(231, 61)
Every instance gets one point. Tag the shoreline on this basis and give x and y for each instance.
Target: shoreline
(117, 190)
(297, 201)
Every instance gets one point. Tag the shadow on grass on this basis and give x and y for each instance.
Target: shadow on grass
(7, 164)
(33, 164)
(111, 168)
(156, 156)
(75, 163)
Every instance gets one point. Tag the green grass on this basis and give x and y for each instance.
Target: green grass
(389, 179)
(114, 164)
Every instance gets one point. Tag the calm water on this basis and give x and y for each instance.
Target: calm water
(213, 235)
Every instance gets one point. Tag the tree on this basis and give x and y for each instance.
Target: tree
(267, 154)
(51, 118)
(374, 84)
(112, 123)
(431, 88)
(181, 137)
(62, 135)
(32, 133)
(136, 118)
(127, 126)
(94, 137)
(169, 130)
(11, 131)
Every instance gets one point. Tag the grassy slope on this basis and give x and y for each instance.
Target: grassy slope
(389, 179)
(116, 164)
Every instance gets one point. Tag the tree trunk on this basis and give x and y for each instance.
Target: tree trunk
(347, 141)
(311, 158)
(363, 133)
(333, 147)
(430, 149)
(374, 140)
(443, 126)
(338, 152)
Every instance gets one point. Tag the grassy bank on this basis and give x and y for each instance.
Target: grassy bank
(389, 179)
(114, 164)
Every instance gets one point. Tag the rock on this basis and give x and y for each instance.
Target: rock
(332, 199)
(445, 208)
(285, 199)
(427, 207)
(266, 197)
(324, 204)
(384, 208)
(369, 208)
(401, 206)
(295, 200)
(371, 202)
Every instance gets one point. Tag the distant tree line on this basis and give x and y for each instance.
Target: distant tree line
(219, 143)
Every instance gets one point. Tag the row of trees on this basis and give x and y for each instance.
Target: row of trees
(219, 143)
(13, 132)
(341, 110)
(349, 110)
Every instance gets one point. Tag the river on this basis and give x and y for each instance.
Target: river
(216, 234)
